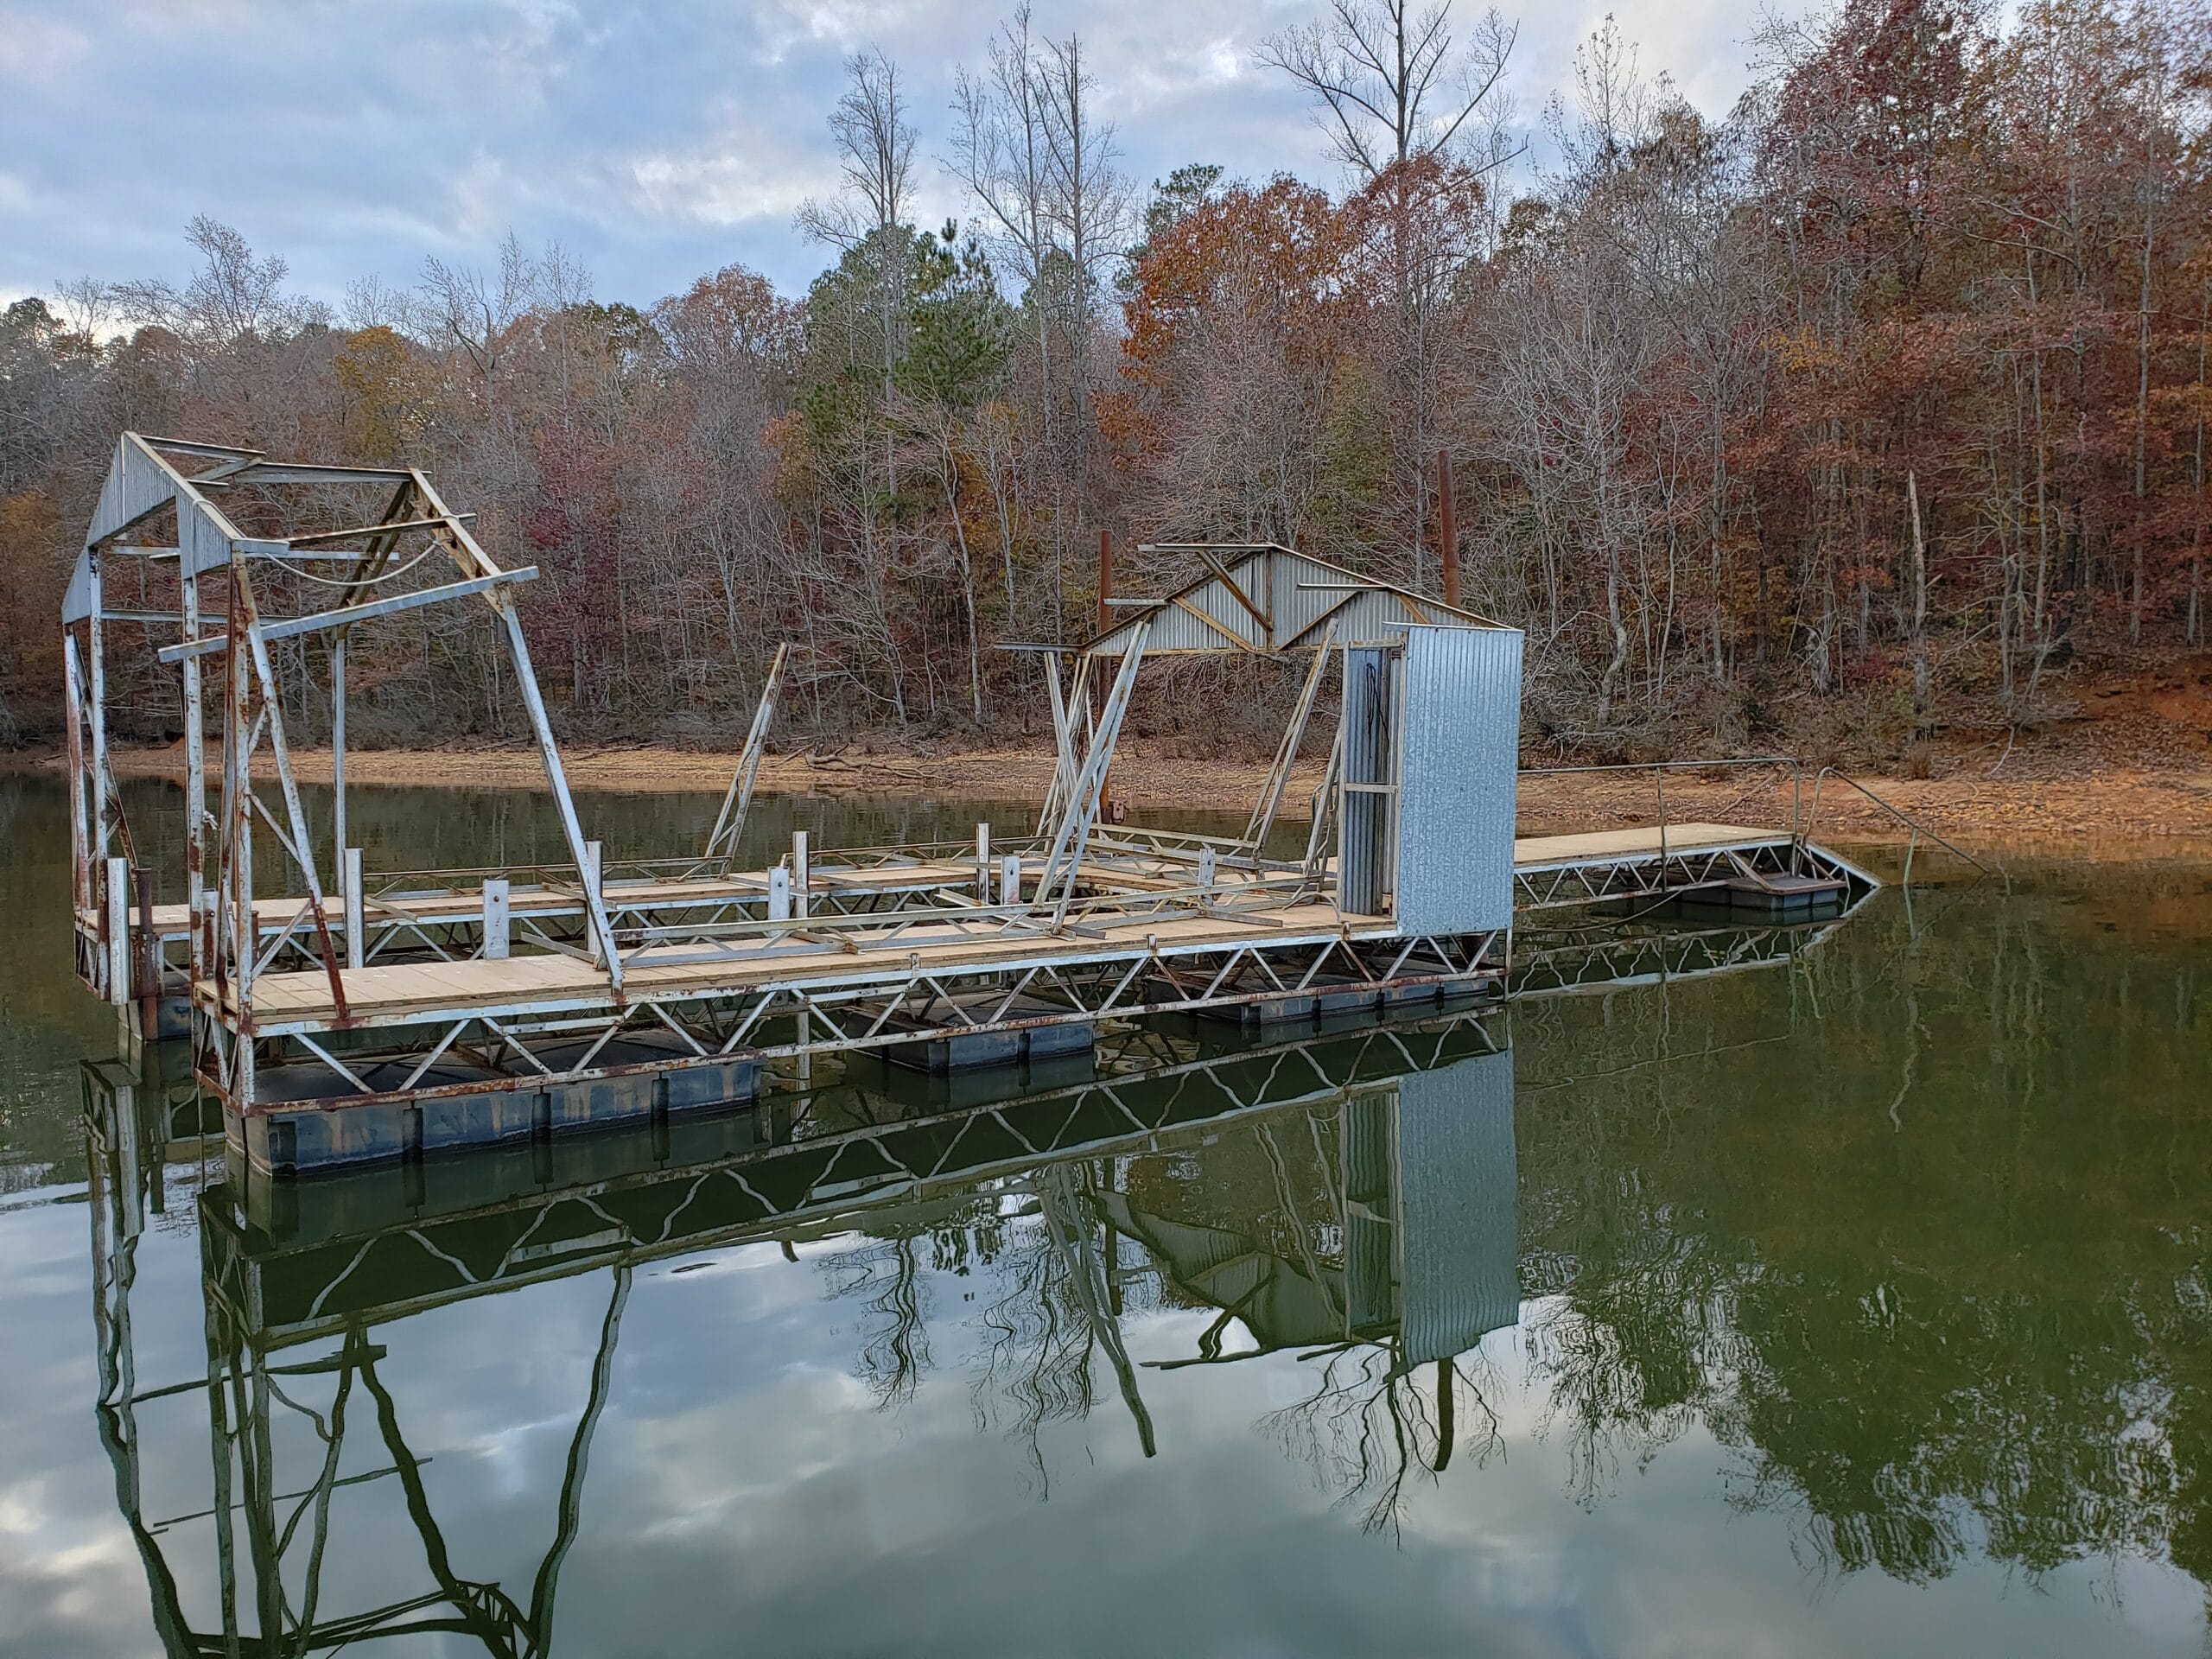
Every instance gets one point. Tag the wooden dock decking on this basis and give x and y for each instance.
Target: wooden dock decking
(549, 982)
(835, 882)
(857, 953)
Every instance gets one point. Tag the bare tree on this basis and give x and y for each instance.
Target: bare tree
(1001, 148)
(875, 142)
(1089, 201)
(233, 296)
(1390, 83)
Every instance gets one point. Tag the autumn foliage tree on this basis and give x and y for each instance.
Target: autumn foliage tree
(1868, 416)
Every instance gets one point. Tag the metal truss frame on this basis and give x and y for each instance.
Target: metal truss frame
(1577, 882)
(822, 1012)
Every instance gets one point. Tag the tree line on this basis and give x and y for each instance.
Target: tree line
(1850, 420)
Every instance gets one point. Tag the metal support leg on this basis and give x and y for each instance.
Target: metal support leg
(356, 910)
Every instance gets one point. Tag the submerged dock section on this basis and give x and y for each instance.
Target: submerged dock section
(344, 1015)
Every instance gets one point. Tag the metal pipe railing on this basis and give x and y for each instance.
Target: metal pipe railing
(1661, 768)
(1916, 831)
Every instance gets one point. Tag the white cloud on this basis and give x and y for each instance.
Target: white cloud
(658, 141)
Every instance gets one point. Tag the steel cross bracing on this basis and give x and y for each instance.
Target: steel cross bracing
(270, 1594)
(850, 1010)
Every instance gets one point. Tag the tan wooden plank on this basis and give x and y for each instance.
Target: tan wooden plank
(462, 985)
(1640, 841)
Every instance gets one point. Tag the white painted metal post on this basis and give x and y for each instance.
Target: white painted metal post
(779, 894)
(80, 838)
(526, 683)
(338, 751)
(356, 945)
(1208, 874)
(96, 663)
(117, 904)
(198, 851)
(802, 889)
(595, 861)
(1010, 879)
(495, 920)
(983, 862)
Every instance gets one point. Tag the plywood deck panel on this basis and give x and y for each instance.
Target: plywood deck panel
(1536, 852)
(399, 991)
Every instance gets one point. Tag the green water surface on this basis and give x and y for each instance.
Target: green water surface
(1854, 1302)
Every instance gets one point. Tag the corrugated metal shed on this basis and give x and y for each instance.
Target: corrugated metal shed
(1459, 740)
(1280, 600)
(1458, 1206)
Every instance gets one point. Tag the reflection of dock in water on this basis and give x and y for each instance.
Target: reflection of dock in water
(368, 1247)
(1423, 1202)
(1349, 1198)
(295, 1303)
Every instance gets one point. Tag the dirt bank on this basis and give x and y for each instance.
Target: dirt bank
(2111, 806)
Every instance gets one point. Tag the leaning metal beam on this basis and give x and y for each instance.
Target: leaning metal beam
(1062, 863)
(345, 616)
(1264, 813)
(302, 843)
(729, 822)
(603, 931)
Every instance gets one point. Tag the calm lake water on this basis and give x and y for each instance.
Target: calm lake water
(1854, 1303)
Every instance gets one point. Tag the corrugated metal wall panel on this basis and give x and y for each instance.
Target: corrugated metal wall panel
(1460, 725)
(1458, 1206)
(1366, 820)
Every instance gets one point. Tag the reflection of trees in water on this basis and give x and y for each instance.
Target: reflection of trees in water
(1051, 1305)
(1933, 1269)
(1916, 1230)
(1038, 1339)
(884, 1274)
(1372, 1423)
(1247, 1222)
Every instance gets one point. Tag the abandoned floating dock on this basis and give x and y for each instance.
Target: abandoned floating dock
(343, 1014)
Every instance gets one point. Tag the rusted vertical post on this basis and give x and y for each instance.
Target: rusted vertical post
(1106, 621)
(1105, 579)
(1447, 528)
(95, 665)
(196, 861)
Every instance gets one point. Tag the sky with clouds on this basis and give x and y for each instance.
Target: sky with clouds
(655, 142)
